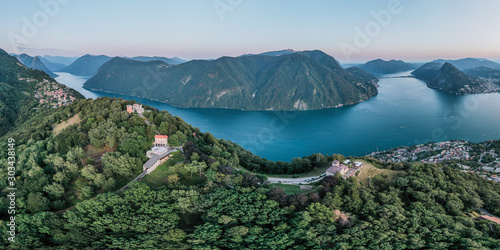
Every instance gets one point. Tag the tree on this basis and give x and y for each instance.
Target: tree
(321, 213)
(174, 140)
(55, 190)
(37, 203)
(206, 233)
(87, 191)
(116, 163)
(195, 166)
(89, 172)
(75, 154)
(174, 179)
(277, 194)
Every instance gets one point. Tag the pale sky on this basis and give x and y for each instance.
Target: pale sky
(408, 30)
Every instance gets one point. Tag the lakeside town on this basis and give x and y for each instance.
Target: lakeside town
(466, 156)
(51, 94)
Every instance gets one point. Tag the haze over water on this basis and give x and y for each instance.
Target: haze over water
(405, 112)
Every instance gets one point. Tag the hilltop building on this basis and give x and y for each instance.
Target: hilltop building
(346, 170)
(161, 141)
(135, 108)
(157, 156)
(342, 169)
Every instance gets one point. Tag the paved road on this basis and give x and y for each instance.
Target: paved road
(296, 181)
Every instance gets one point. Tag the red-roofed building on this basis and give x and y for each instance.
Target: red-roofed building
(161, 140)
(490, 218)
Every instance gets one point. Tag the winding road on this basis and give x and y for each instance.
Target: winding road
(296, 181)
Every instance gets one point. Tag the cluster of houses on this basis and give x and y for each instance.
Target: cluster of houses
(52, 95)
(345, 169)
(440, 151)
(489, 172)
(135, 108)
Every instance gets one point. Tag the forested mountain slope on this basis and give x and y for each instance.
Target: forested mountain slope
(447, 78)
(87, 65)
(17, 92)
(380, 66)
(35, 63)
(305, 80)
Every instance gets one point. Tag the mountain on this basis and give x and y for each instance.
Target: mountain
(362, 74)
(301, 81)
(20, 92)
(64, 60)
(427, 71)
(171, 61)
(274, 53)
(470, 63)
(87, 65)
(380, 66)
(52, 65)
(484, 72)
(35, 63)
(447, 78)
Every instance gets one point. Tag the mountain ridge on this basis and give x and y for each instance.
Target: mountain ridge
(379, 66)
(35, 63)
(448, 78)
(87, 65)
(298, 81)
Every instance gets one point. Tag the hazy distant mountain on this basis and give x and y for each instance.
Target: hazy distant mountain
(274, 53)
(35, 63)
(484, 72)
(86, 65)
(470, 63)
(64, 60)
(171, 61)
(448, 78)
(380, 66)
(52, 65)
(299, 81)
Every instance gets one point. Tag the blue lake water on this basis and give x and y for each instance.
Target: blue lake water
(405, 112)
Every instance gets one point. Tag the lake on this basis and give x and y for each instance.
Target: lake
(405, 112)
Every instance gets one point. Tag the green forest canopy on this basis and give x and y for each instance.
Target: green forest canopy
(66, 195)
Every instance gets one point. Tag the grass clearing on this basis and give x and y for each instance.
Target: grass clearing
(158, 177)
(369, 171)
(71, 121)
(292, 189)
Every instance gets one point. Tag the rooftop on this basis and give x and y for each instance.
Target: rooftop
(154, 159)
(335, 169)
(159, 150)
(490, 218)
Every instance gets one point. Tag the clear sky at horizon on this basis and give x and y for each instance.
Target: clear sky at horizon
(348, 30)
